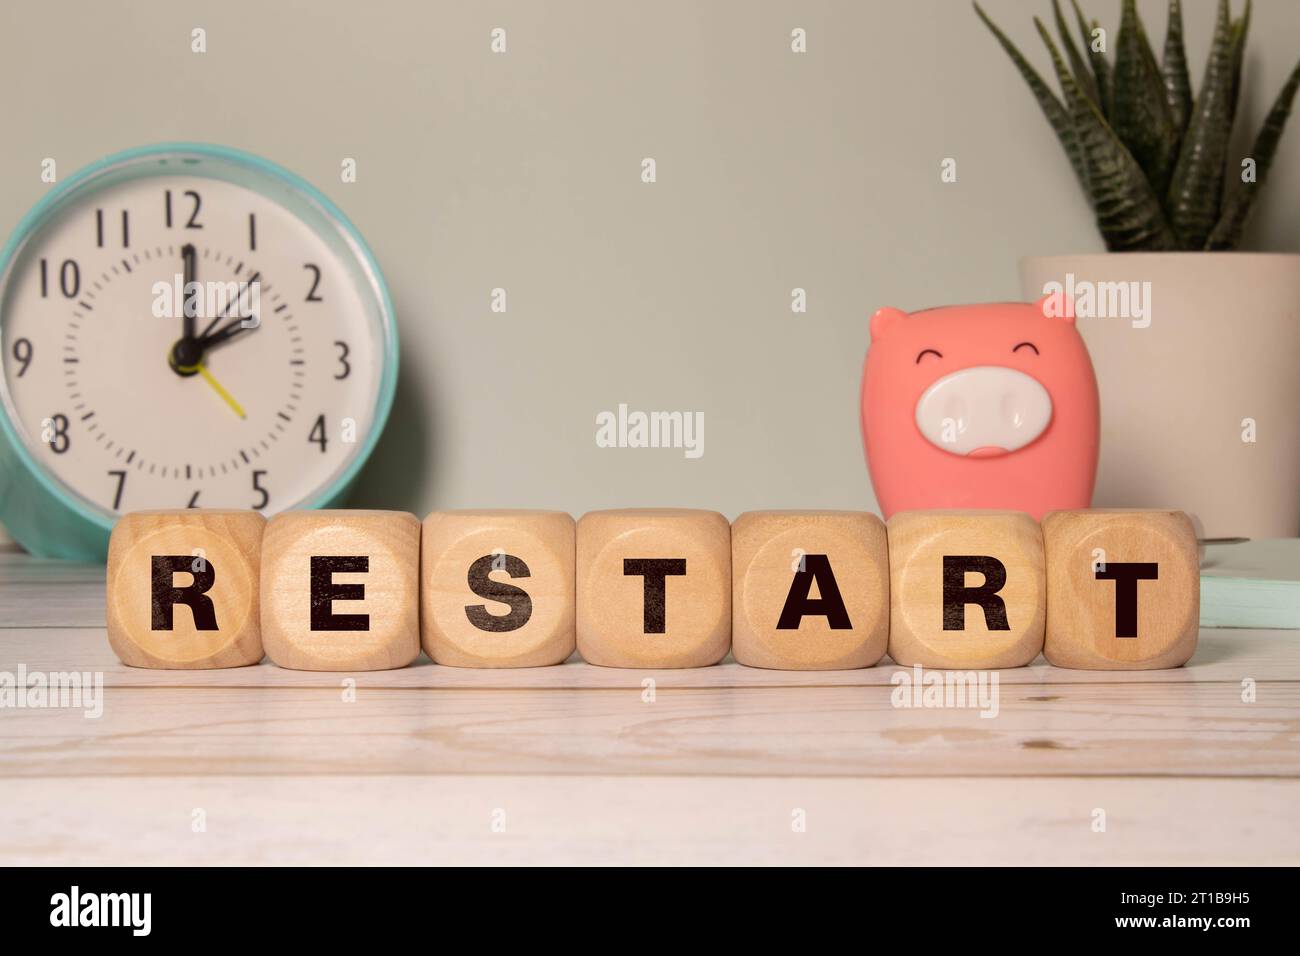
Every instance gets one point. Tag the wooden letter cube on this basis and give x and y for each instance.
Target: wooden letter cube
(966, 589)
(654, 588)
(1123, 589)
(183, 588)
(497, 587)
(810, 589)
(340, 590)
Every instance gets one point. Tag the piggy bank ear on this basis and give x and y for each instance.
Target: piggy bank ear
(883, 320)
(1056, 305)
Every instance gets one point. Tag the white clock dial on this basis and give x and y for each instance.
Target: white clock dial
(122, 406)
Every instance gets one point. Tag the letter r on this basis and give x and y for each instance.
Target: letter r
(165, 595)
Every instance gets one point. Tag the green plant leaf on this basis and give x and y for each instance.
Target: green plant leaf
(1140, 116)
(1173, 69)
(1240, 201)
(1197, 186)
(1240, 29)
(1100, 65)
(1082, 73)
(1128, 212)
(1056, 113)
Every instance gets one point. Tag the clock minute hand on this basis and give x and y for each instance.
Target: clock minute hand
(236, 301)
(225, 334)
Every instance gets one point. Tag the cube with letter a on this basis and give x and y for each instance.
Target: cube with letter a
(810, 589)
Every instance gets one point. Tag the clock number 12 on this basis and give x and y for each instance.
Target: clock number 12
(193, 221)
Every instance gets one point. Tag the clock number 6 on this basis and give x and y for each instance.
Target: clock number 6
(257, 486)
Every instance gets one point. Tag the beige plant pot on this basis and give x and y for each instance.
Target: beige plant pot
(1199, 381)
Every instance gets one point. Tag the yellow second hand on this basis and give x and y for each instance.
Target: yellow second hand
(216, 386)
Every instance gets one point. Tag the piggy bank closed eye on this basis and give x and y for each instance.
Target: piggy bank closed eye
(980, 406)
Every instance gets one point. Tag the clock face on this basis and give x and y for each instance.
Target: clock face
(192, 333)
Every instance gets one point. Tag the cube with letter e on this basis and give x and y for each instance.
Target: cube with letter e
(340, 590)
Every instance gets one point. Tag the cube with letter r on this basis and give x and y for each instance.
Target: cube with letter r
(182, 588)
(967, 588)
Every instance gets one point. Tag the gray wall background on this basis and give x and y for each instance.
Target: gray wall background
(522, 171)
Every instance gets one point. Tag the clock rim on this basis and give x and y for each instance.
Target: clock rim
(55, 487)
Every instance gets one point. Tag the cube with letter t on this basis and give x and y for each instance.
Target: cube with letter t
(654, 587)
(340, 590)
(1123, 589)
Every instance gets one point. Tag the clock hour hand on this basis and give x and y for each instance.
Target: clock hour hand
(187, 353)
(188, 308)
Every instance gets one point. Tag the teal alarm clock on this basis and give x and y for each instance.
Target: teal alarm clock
(184, 326)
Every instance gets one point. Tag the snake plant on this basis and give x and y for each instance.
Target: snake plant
(1155, 164)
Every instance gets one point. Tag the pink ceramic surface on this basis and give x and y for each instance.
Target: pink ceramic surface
(980, 406)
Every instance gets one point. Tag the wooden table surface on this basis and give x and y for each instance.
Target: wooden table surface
(580, 764)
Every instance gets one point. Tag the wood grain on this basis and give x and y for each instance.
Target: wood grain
(1163, 730)
(1223, 656)
(39, 592)
(572, 820)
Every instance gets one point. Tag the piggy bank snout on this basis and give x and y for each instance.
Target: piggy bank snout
(984, 411)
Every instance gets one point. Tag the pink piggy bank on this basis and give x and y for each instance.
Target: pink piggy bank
(980, 406)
